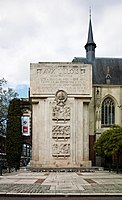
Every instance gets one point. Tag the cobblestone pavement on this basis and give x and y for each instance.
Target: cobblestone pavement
(57, 183)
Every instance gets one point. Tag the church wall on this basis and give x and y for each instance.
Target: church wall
(114, 92)
(92, 115)
(100, 92)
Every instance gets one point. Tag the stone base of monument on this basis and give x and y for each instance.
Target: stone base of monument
(60, 164)
(65, 169)
(84, 167)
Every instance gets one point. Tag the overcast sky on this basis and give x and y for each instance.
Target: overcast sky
(54, 30)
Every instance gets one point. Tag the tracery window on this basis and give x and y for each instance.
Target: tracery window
(108, 112)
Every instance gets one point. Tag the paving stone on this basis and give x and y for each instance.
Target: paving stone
(61, 183)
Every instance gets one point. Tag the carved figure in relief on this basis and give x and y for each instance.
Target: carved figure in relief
(61, 131)
(98, 97)
(61, 97)
(55, 149)
(61, 113)
(61, 149)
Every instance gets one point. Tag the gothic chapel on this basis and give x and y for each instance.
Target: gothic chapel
(106, 102)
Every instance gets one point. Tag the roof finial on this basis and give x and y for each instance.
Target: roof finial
(108, 76)
(90, 12)
(108, 69)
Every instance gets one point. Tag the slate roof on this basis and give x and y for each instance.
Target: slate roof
(100, 69)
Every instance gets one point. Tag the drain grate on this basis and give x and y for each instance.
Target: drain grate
(89, 180)
(40, 181)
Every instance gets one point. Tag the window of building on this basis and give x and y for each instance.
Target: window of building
(108, 112)
(26, 151)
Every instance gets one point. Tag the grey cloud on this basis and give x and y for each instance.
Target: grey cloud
(53, 30)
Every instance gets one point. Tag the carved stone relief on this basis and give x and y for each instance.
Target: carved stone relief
(61, 113)
(61, 149)
(98, 97)
(60, 131)
(61, 97)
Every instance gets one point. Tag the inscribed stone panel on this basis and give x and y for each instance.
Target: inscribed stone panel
(48, 78)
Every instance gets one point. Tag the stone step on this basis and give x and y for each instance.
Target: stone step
(68, 169)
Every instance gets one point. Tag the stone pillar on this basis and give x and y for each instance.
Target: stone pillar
(85, 132)
(79, 131)
(35, 141)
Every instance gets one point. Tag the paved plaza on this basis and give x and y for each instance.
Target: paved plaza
(61, 183)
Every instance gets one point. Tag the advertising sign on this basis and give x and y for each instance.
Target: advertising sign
(25, 125)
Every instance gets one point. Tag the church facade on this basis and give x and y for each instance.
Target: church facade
(72, 104)
(106, 102)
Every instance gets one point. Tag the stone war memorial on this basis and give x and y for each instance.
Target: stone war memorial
(60, 93)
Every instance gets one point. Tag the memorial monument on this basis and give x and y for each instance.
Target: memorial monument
(60, 93)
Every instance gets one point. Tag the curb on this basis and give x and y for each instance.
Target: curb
(2, 194)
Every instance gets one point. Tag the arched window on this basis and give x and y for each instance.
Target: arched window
(108, 112)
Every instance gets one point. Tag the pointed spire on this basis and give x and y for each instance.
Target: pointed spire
(90, 33)
(90, 45)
